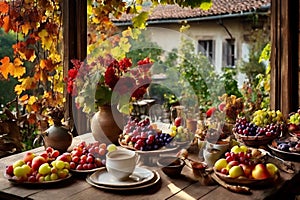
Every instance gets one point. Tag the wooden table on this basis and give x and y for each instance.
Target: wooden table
(184, 187)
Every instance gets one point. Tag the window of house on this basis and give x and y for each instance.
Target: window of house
(207, 48)
(228, 53)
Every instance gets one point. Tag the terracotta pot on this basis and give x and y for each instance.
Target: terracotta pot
(107, 124)
(57, 137)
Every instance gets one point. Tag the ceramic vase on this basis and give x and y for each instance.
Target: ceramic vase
(107, 124)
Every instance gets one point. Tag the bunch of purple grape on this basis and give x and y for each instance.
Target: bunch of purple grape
(243, 127)
(142, 136)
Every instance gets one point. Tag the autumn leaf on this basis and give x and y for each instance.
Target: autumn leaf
(24, 97)
(4, 7)
(139, 21)
(35, 107)
(46, 41)
(26, 27)
(6, 24)
(25, 84)
(31, 100)
(31, 117)
(206, 5)
(7, 67)
(19, 89)
(19, 71)
(18, 62)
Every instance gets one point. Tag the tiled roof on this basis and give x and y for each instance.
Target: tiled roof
(219, 7)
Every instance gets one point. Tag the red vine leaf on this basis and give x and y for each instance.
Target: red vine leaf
(4, 7)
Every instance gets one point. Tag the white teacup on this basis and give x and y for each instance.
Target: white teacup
(121, 163)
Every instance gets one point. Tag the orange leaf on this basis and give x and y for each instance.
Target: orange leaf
(35, 107)
(6, 23)
(26, 27)
(7, 67)
(19, 71)
(17, 62)
(31, 118)
(4, 7)
(24, 97)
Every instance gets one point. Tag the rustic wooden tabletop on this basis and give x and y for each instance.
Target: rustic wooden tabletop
(186, 186)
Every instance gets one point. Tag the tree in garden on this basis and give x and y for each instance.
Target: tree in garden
(253, 67)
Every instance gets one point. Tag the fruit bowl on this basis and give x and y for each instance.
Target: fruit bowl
(242, 180)
(286, 148)
(164, 149)
(255, 141)
(13, 180)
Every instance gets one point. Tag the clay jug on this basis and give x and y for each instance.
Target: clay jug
(57, 137)
(107, 124)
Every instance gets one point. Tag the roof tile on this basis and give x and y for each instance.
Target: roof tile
(219, 7)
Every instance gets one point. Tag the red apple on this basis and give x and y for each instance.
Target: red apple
(28, 157)
(55, 153)
(178, 121)
(37, 162)
(247, 170)
(45, 155)
(260, 172)
(10, 170)
(232, 163)
(293, 127)
(224, 171)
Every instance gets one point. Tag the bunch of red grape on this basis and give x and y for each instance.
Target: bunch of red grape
(243, 127)
(240, 157)
(142, 136)
(88, 156)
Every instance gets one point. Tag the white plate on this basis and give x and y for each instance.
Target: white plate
(14, 181)
(152, 182)
(102, 177)
(86, 170)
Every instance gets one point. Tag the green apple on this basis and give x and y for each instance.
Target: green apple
(53, 176)
(236, 149)
(260, 172)
(27, 169)
(18, 163)
(221, 163)
(236, 171)
(47, 177)
(59, 164)
(19, 171)
(244, 148)
(44, 169)
(272, 169)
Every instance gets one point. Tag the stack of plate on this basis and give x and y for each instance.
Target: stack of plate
(140, 178)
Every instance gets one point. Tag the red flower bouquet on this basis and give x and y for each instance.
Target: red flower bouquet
(107, 81)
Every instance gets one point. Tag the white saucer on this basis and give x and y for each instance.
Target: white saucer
(151, 182)
(102, 177)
